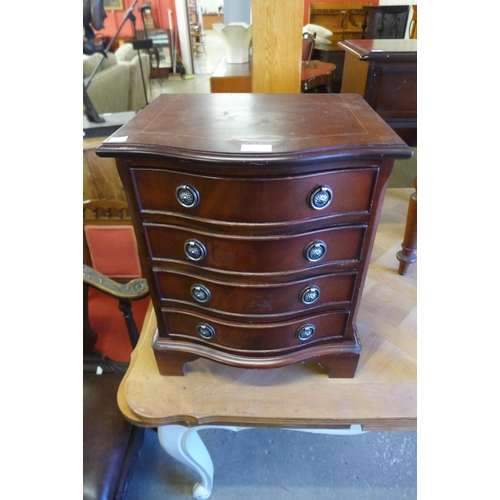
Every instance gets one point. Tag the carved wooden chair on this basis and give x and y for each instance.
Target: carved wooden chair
(110, 443)
(308, 41)
(110, 248)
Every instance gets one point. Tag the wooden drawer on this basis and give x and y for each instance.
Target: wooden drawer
(183, 325)
(269, 254)
(263, 300)
(254, 200)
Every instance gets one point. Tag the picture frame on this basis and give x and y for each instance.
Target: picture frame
(113, 4)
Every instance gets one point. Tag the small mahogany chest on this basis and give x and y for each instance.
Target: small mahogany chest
(255, 216)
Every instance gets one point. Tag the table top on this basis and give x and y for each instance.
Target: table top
(381, 396)
(381, 49)
(258, 128)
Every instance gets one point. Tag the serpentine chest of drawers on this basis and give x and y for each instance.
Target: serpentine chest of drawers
(255, 216)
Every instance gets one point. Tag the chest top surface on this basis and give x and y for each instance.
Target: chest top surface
(381, 49)
(256, 127)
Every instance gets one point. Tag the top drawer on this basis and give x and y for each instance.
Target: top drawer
(255, 200)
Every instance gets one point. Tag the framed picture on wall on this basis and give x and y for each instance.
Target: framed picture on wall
(113, 4)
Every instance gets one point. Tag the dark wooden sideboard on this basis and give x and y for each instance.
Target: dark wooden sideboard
(384, 73)
(256, 223)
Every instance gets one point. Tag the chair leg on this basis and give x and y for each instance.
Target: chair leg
(406, 255)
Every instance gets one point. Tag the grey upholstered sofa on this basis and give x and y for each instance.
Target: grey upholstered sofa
(118, 85)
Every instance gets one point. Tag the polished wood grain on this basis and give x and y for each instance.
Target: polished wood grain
(382, 396)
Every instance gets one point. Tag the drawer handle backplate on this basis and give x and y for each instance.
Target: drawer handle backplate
(187, 195)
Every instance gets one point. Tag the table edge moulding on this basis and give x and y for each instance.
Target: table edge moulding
(239, 201)
(381, 49)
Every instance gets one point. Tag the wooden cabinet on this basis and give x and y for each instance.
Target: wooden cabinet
(384, 73)
(256, 222)
(231, 78)
(386, 21)
(345, 19)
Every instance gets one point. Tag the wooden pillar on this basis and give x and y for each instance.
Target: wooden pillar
(276, 45)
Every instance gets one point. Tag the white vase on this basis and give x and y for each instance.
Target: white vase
(236, 38)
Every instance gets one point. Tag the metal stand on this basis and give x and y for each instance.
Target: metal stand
(128, 16)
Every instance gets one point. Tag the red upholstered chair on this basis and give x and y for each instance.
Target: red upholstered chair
(110, 248)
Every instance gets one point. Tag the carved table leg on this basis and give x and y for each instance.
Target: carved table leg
(407, 256)
(184, 444)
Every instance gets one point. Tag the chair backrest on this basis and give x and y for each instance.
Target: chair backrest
(307, 46)
(109, 242)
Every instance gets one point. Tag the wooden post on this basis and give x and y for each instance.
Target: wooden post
(276, 45)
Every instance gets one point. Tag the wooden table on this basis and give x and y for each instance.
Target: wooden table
(382, 395)
(315, 74)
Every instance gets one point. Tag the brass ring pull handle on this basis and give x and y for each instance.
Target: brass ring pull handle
(205, 331)
(187, 195)
(195, 250)
(200, 293)
(315, 251)
(305, 332)
(320, 197)
(310, 294)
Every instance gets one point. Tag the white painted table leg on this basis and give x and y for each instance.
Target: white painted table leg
(184, 444)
